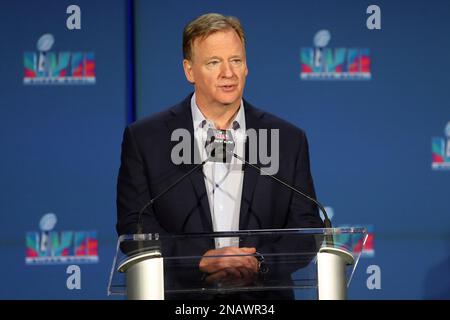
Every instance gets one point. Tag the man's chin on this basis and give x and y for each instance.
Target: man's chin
(230, 102)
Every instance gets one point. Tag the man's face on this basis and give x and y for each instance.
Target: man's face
(218, 69)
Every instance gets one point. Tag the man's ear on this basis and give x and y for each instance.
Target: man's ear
(188, 72)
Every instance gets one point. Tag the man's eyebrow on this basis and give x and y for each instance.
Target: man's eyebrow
(213, 57)
(219, 58)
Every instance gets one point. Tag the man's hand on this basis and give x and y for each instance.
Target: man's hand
(235, 266)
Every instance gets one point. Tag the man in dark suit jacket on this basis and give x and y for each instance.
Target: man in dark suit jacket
(214, 52)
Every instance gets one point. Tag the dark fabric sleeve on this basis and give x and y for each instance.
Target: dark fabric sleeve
(298, 252)
(133, 190)
(303, 213)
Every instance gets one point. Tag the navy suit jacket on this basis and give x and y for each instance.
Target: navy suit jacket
(146, 170)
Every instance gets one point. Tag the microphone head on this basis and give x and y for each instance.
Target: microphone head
(219, 145)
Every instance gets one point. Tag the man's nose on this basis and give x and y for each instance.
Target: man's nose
(227, 70)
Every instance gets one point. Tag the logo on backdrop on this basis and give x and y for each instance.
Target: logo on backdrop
(367, 249)
(60, 247)
(322, 63)
(65, 67)
(440, 149)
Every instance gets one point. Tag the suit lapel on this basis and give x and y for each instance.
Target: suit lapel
(250, 174)
(182, 118)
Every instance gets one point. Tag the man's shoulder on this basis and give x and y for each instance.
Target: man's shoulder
(151, 121)
(158, 120)
(271, 121)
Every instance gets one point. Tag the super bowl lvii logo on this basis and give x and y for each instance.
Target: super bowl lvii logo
(323, 63)
(440, 149)
(60, 247)
(47, 67)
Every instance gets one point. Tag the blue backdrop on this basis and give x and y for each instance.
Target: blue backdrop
(60, 144)
(370, 140)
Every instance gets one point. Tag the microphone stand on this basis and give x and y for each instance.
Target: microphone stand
(150, 203)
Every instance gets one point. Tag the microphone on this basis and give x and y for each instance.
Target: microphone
(223, 143)
(219, 144)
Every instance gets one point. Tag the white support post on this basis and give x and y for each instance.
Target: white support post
(145, 276)
(331, 273)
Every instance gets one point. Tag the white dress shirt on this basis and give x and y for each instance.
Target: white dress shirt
(223, 181)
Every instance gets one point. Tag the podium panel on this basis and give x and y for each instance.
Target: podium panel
(318, 261)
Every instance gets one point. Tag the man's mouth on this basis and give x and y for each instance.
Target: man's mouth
(228, 87)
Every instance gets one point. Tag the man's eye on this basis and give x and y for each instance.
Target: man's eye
(213, 63)
(236, 61)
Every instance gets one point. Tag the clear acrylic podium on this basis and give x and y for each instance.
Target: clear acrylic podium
(293, 264)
